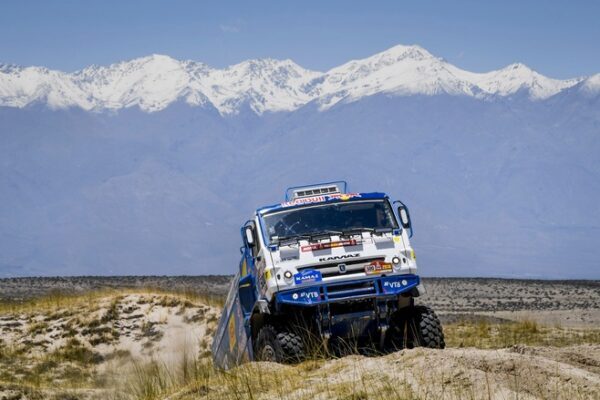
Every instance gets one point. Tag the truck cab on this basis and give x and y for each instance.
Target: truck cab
(325, 269)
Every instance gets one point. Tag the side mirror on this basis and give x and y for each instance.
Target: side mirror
(249, 236)
(404, 217)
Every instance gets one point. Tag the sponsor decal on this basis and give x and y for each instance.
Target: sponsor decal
(320, 199)
(304, 296)
(329, 245)
(378, 267)
(244, 268)
(307, 276)
(342, 257)
(395, 284)
(310, 295)
(232, 337)
(263, 276)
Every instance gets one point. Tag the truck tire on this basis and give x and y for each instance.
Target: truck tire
(429, 332)
(278, 345)
(417, 326)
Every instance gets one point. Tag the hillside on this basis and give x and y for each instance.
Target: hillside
(500, 170)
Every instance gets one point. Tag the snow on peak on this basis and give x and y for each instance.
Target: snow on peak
(401, 70)
(519, 77)
(156, 81)
(591, 85)
(9, 68)
(263, 85)
(151, 82)
(400, 52)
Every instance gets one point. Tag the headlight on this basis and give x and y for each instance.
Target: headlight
(396, 260)
(287, 275)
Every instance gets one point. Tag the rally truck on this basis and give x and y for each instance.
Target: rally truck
(325, 269)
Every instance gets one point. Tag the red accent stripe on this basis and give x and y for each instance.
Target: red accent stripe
(329, 245)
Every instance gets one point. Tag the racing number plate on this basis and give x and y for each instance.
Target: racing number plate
(378, 267)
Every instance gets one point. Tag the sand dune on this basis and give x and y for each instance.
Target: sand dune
(149, 344)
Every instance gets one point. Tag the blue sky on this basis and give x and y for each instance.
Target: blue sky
(558, 39)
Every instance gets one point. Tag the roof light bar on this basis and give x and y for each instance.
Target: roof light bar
(319, 189)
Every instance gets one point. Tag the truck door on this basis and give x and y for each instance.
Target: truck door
(247, 285)
(225, 347)
(232, 344)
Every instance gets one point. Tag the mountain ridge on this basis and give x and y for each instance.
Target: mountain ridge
(268, 85)
(150, 165)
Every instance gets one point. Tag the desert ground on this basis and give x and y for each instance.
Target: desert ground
(149, 338)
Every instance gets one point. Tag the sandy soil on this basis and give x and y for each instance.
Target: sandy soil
(519, 372)
(98, 341)
(143, 325)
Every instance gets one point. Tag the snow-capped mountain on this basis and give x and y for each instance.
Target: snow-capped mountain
(591, 85)
(150, 166)
(518, 77)
(153, 83)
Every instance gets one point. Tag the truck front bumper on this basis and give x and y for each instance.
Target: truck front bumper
(336, 292)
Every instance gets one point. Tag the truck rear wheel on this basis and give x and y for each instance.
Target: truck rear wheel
(278, 345)
(416, 326)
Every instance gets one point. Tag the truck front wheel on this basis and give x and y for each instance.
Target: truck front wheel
(428, 328)
(278, 345)
(413, 327)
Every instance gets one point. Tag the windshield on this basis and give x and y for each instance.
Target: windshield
(336, 218)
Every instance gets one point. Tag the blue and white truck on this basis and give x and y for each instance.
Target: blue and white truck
(328, 269)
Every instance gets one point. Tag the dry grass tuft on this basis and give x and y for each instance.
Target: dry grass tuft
(484, 335)
(72, 301)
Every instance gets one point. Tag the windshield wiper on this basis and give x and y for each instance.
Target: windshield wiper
(358, 231)
(325, 233)
(291, 238)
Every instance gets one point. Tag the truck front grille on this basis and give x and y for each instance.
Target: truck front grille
(352, 289)
(333, 269)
